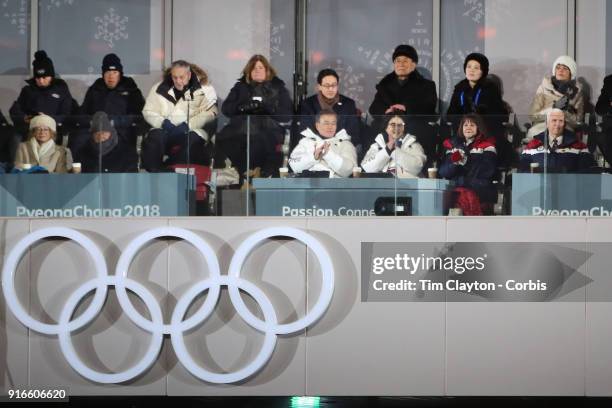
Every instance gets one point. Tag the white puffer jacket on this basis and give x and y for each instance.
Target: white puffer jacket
(339, 159)
(407, 160)
(197, 108)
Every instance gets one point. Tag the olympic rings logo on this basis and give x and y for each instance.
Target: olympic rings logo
(269, 326)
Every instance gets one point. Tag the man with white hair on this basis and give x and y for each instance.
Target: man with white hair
(179, 108)
(557, 149)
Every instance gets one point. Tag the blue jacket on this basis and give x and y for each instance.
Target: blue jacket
(571, 156)
(476, 168)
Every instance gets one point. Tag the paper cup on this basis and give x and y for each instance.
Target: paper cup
(356, 172)
(455, 212)
(432, 172)
(283, 172)
(533, 167)
(26, 166)
(76, 168)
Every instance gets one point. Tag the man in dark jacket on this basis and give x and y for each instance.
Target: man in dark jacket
(43, 94)
(328, 97)
(8, 145)
(119, 97)
(556, 149)
(406, 90)
(604, 108)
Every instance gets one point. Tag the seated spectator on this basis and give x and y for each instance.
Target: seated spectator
(395, 151)
(406, 90)
(325, 150)
(41, 150)
(478, 94)
(119, 97)
(178, 108)
(559, 91)
(8, 145)
(556, 149)
(262, 97)
(105, 151)
(328, 97)
(604, 108)
(43, 94)
(471, 162)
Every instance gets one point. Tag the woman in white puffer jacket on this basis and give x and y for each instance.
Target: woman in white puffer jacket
(394, 151)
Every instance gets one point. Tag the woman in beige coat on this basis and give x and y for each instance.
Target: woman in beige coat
(40, 148)
(558, 91)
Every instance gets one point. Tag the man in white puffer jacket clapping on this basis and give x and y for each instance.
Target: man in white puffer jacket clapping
(325, 150)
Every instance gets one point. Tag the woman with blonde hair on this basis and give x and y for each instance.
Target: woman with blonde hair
(257, 104)
(40, 148)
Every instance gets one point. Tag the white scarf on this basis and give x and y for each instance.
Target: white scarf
(42, 152)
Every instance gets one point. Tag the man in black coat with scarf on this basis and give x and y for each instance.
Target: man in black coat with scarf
(406, 90)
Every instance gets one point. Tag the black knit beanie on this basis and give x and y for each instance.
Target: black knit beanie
(42, 65)
(111, 62)
(479, 58)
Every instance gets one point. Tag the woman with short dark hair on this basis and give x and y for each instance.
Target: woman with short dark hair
(471, 161)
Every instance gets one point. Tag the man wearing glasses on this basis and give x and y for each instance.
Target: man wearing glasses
(328, 97)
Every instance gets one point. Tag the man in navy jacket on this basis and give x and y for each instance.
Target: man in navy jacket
(557, 149)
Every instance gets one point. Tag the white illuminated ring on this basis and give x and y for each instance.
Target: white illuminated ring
(327, 272)
(10, 268)
(65, 338)
(209, 257)
(178, 342)
(177, 327)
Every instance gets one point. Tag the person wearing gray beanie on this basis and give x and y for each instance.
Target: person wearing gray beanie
(104, 151)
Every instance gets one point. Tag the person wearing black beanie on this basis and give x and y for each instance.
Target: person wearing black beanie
(42, 65)
(120, 98)
(478, 94)
(43, 94)
(406, 90)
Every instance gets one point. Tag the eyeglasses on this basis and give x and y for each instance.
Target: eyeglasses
(396, 125)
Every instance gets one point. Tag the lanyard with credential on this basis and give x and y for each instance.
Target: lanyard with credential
(476, 98)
